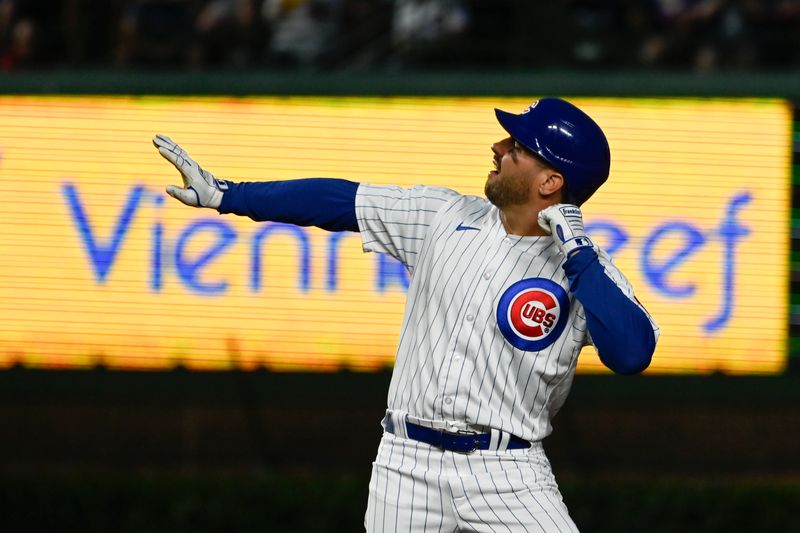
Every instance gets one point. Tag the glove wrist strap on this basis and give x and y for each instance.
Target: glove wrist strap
(576, 243)
(216, 199)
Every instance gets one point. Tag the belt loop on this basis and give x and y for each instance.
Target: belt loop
(504, 438)
(399, 422)
(494, 441)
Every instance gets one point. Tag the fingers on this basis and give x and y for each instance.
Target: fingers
(196, 181)
(186, 196)
(162, 140)
(173, 153)
(544, 221)
(171, 156)
(168, 149)
(179, 158)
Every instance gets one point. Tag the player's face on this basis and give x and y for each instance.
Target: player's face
(510, 182)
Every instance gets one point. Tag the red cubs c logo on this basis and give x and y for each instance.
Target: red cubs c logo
(533, 312)
(537, 315)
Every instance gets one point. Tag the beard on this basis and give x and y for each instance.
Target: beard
(504, 191)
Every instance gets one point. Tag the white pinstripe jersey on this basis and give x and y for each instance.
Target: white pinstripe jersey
(471, 352)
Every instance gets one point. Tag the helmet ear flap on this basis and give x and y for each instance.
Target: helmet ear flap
(567, 139)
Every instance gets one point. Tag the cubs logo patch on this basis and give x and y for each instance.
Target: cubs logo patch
(532, 313)
(530, 107)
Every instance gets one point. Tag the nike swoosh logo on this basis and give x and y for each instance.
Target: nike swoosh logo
(462, 227)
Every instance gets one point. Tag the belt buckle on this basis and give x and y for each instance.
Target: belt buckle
(455, 442)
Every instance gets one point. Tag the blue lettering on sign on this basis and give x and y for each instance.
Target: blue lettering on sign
(189, 269)
(729, 232)
(332, 276)
(615, 237)
(157, 254)
(305, 253)
(655, 272)
(390, 272)
(102, 255)
(218, 236)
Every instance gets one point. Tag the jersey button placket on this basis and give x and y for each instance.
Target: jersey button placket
(445, 392)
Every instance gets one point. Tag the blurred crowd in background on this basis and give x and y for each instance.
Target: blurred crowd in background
(697, 35)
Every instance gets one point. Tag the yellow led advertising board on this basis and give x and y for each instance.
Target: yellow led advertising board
(100, 267)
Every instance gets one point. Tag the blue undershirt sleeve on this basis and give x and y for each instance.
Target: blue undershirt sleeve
(327, 203)
(621, 331)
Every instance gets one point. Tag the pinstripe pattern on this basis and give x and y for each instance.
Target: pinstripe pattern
(416, 487)
(455, 369)
(452, 361)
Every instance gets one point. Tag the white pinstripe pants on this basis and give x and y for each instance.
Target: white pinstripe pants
(416, 487)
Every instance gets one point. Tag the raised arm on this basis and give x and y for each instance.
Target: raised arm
(323, 202)
(620, 329)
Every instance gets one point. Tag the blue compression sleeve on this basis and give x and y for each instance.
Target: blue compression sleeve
(327, 203)
(620, 330)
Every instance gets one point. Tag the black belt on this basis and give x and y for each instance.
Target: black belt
(458, 442)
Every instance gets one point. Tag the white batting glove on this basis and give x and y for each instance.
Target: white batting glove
(565, 223)
(200, 187)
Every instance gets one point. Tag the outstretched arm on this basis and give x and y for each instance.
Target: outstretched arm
(326, 203)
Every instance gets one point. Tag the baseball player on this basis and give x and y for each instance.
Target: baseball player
(505, 291)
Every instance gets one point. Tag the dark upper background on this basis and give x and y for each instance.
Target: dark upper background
(688, 35)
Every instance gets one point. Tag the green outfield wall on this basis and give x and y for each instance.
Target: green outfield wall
(476, 83)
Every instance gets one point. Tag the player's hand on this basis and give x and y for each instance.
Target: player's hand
(200, 187)
(565, 223)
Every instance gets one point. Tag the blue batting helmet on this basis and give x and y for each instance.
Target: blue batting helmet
(567, 138)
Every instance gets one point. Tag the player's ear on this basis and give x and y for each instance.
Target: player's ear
(551, 184)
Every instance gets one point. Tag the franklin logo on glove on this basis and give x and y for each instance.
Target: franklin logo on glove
(565, 223)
